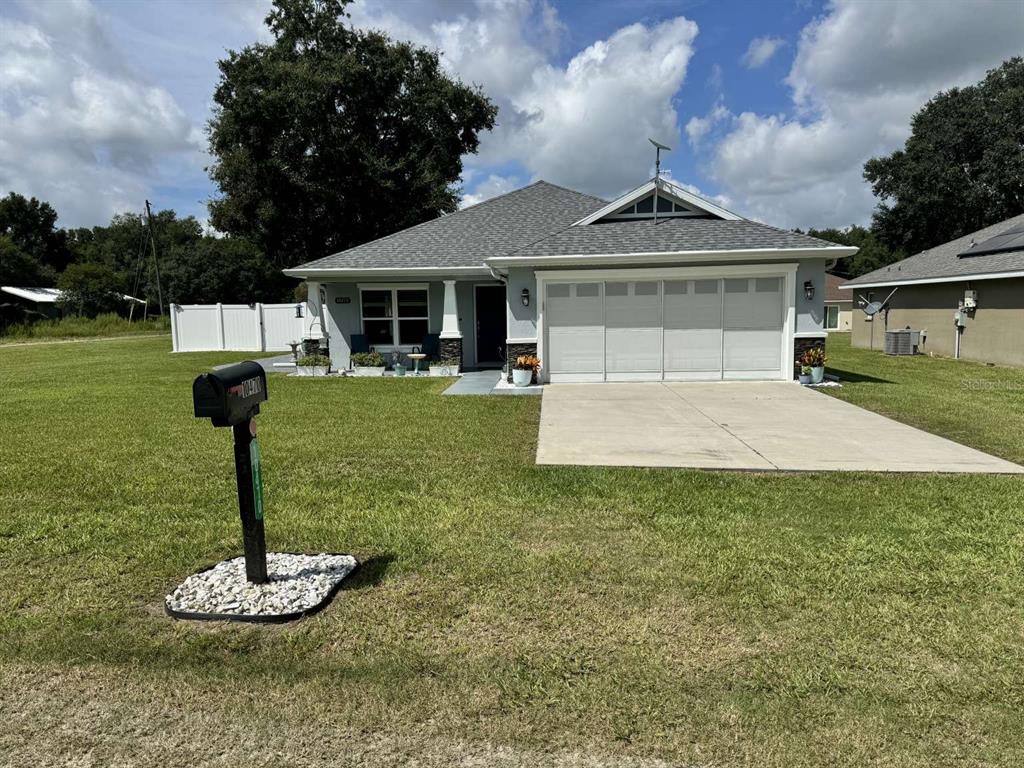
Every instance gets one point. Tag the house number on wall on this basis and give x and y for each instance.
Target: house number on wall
(342, 299)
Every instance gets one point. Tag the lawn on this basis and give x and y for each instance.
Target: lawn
(506, 614)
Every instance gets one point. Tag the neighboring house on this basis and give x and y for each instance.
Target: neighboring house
(37, 303)
(838, 305)
(598, 290)
(33, 300)
(934, 291)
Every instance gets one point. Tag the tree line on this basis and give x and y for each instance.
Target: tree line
(327, 137)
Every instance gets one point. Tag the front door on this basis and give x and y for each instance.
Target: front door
(490, 324)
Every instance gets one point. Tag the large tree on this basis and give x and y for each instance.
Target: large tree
(33, 249)
(872, 254)
(330, 136)
(961, 169)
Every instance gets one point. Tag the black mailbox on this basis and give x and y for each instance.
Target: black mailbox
(230, 395)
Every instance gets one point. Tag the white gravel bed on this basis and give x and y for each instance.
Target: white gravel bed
(297, 583)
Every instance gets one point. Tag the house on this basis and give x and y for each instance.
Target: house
(965, 296)
(658, 284)
(32, 303)
(838, 304)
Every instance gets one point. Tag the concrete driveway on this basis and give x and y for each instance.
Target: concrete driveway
(741, 425)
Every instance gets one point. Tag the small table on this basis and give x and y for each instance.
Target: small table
(416, 357)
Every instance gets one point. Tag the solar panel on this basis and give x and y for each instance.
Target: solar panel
(1010, 240)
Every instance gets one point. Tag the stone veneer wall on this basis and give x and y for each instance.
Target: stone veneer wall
(452, 349)
(802, 345)
(315, 347)
(515, 350)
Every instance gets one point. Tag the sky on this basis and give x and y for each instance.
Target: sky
(770, 107)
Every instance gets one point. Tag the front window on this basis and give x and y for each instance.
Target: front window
(395, 316)
(831, 318)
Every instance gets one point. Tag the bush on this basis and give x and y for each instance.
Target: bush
(90, 290)
(313, 361)
(84, 327)
(445, 362)
(368, 360)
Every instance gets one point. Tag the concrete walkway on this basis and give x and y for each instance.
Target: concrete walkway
(754, 426)
(486, 383)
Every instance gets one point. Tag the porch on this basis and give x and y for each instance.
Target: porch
(446, 317)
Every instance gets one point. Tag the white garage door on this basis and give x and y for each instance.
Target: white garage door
(649, 330)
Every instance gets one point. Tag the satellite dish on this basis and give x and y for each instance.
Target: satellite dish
(659, 145)
(873, 308)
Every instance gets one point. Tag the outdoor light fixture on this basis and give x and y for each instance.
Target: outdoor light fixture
(809, 290)
(526, 297)
(298, 310)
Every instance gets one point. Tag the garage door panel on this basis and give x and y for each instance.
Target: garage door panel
(752, 350)
(634, 349)
(579, 349)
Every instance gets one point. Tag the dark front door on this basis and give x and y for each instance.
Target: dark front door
(490, 324)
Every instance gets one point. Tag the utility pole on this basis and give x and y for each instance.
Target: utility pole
(156, 263)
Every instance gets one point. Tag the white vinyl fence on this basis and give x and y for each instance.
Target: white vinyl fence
(242, 327)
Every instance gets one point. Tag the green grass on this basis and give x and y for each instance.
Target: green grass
(973, 403)
(506, 613)
(102, 326)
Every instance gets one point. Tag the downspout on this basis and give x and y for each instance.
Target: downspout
(497, 275)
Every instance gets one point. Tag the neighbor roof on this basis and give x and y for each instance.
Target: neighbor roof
(952, 261)
(544, 220)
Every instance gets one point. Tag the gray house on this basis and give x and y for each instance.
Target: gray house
(659, 284)
(965, 296)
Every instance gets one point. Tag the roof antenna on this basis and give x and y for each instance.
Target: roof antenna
(657, 172)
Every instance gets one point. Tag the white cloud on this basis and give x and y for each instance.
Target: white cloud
(760, 51)
(492, 186)
(585, 124)
(861, 71)
(81, 129)
(698, 128)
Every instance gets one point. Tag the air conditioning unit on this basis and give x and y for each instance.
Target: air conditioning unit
(902, 342)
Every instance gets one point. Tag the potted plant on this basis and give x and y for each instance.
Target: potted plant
(368, 363)
(805, 374)
(313, 365)
(399, 369)
(524, 370)
(447, 366)
(814, 358)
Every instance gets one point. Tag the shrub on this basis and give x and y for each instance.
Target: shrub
(445, 362)
(527, 363)
(312, 361)
(813, 357)
(368, 360)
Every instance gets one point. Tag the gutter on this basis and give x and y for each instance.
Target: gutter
(656, 257)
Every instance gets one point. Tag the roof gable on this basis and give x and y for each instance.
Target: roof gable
(683, 203)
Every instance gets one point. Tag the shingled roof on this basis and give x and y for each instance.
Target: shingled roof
(538, 221)
(950, 261)
(495, 227)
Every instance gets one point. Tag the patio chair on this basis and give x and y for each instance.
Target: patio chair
(431, 346)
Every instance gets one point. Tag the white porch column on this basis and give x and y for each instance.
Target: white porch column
(450, 323)
(314, 321)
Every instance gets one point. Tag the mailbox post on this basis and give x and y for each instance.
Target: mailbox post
(230, 397)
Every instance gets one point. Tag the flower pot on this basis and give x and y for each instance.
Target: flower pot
(521, 377)
(368, 371)
(818, 374)
(399, 369)
(304, 370)
(319, 370)
(444, 370)
(804, 378)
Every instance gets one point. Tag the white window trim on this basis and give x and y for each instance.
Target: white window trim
(825, 324)
(787, 271)
(394, 288)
